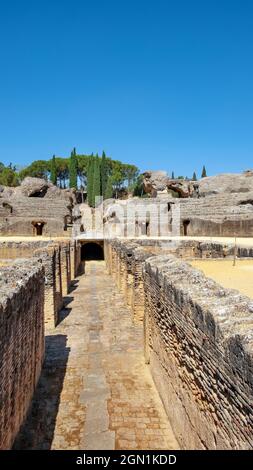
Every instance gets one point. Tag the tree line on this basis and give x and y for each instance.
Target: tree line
(194, 176)
(98, 175)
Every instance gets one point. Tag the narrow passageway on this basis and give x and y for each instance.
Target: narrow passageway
(96, 391)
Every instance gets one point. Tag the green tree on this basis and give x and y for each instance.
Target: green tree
(138, 188)
(73, 170)
(104, 174)
(90, 174)
(96, 181)
(130, 174)
(37, 169)
(172, 175)
(203, 174)
(8, 177)
(53, 173)
(82, 169)
(62, 171)
(117, 176)
(194, 176)
(109, 188)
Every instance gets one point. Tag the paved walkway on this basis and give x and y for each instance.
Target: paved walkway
(95, 391)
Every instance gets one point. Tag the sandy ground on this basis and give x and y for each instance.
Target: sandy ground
(238, 277)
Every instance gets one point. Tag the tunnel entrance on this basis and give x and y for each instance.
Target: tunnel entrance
(38, 228)
(92, 251)
(186, 224)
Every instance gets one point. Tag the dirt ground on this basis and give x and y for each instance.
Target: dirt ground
(238, 277)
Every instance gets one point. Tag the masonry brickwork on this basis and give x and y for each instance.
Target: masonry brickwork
(32, 295)
(22, 343)
(198, 340)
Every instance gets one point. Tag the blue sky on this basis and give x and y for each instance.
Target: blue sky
(162, 84)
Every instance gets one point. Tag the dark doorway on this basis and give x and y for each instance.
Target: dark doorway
(38, 228)
(91, 251)
(147, 229)
(186, 224)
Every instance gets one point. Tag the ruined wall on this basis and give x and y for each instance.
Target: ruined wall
(61, 261)
(199, 345)
(124, 260)
(20, 249)
(22, 343)
(75, 258)
(65, 267)
(224, 215)
(198, 340)
(47, 257)
(18, 216)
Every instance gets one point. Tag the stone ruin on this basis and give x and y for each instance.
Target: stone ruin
(198, 339)
(214, 206)
(198, 335)
(32, 294)
(36, 207)
(157, 183)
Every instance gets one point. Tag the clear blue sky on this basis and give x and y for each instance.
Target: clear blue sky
(159, 83)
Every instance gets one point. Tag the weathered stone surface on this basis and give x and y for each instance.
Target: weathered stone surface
(158, 183)
(226, 183)
(22, 343)
(198, 342)
(95, 391)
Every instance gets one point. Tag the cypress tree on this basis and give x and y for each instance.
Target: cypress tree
(172, 175)
(194, 177)
(203, 175)
(109, 188)
(73, 170)
(104, 174)
(90, 174)
(53, 172)
(96, 181)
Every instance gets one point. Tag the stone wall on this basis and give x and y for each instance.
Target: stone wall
(199, 342)
(61, 261)
(20, 249)
(22, 343)
(18, 216)
(218, 214)
(198, 339)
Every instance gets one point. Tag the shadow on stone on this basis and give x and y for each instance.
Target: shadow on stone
(37, 431)
(64, 313)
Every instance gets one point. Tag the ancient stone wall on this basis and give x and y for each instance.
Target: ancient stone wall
(198, 339)
(18, 216)
(61, 261)
(199, 345)
(22, 343)
(47, 257)
(124, 262)
(224, 215)
(75, 258)
(65, 267)
(20, 249)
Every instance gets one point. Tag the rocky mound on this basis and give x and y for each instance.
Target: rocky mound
(226, 183)
(37, 187)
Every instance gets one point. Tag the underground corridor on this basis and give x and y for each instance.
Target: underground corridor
(92, 251)
(95, 391)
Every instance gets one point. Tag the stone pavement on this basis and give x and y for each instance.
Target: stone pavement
(95, 391)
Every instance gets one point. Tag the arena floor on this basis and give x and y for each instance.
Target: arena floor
(238, 277)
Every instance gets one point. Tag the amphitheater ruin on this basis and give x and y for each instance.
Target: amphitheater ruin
(117, 337)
